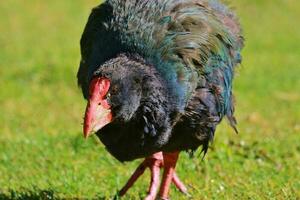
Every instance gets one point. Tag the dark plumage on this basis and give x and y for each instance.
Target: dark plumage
(171, 65)
(142, 121)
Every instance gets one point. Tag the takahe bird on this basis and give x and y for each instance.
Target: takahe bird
(158, 75)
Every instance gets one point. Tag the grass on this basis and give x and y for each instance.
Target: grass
(43, 154)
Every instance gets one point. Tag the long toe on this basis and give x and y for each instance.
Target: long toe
(154, 163)
(179, 185)
(138, 172)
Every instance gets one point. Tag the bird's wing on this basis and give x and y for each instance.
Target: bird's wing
(203, 37)
(97, 45)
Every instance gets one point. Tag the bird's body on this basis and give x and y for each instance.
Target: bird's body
(174, 59)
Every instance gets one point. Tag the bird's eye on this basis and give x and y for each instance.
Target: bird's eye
(107, 95)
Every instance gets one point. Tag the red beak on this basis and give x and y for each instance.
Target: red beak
(98, 112)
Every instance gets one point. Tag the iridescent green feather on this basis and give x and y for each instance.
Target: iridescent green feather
(192, 43)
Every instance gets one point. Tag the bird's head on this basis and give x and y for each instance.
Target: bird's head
(114, 94)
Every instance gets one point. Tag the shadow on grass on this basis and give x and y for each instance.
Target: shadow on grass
(28, 195)
(44, 195)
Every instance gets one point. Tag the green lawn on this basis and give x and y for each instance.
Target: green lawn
(44, 156)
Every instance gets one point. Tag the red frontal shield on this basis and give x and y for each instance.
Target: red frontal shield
(98, 112)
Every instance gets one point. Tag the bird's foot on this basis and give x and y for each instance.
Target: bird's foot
(154, 163)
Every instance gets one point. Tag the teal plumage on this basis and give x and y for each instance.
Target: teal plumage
(192, 43)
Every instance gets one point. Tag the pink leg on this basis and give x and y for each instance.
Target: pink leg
(138, 172)
(155, 162)
(154, 181)
(170, 160)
